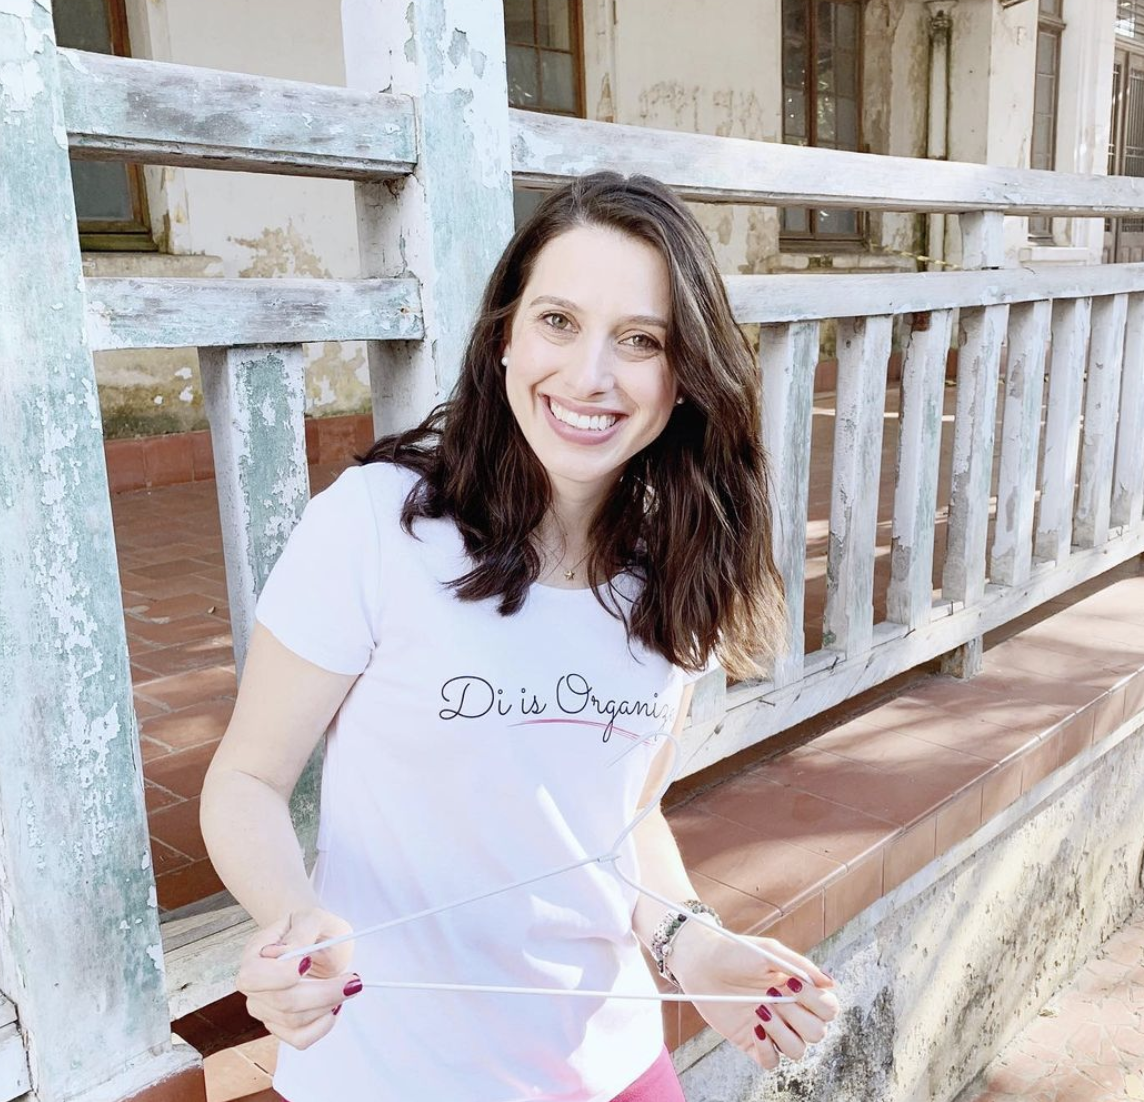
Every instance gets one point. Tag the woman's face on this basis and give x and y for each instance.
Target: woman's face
(588, 338)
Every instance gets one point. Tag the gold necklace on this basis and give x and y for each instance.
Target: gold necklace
(571, 574)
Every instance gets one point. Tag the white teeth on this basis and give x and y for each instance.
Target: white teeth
(578, 420)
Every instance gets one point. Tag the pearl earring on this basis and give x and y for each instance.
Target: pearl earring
(679, 401)
(504, 360)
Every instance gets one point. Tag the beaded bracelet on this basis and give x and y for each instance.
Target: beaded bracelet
(665, 933)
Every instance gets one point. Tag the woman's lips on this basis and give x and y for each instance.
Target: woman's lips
(575, 435)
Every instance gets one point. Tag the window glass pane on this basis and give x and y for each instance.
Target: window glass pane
(557, 81)
(1042, 140)
(847, 122)
(83, 25)
(518, 24)
(554, 24)
(1046, 52)
(794, 116)
(794, 19)
(1045, 96)
(1051, 7)
(523, 81)
(795, 220)
(826, 129)
(794, 67)
(102, 191)
(837, 222)
(846, 73)
(524, 202)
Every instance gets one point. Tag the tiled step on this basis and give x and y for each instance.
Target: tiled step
(796, 846)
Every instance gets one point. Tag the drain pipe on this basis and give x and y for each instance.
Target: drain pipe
(937, 142)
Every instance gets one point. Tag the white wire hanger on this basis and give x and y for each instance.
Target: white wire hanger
(611, 857)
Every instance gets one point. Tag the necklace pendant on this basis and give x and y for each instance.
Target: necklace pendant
(569, 574)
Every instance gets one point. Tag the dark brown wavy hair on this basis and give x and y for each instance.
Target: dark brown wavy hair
(690, 514)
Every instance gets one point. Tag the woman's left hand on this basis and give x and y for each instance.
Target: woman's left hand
(706, 962)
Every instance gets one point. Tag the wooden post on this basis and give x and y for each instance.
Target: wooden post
(447, 222)
(80, 951)
(983, 330)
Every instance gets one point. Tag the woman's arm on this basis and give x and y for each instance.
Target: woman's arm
(706, 962)
(283, 707)
(661, 867)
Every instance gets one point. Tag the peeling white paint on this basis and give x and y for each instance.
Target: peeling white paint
(183, 373)
(326, 393)
(152, 900)
(155, 952)
(158, 399)
(187, 394)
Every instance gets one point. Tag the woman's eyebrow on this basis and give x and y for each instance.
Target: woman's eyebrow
(638, 319)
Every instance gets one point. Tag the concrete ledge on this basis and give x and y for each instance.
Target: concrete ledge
(938, 974)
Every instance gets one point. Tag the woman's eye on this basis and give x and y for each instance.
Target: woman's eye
(651, 343)
(559, 317)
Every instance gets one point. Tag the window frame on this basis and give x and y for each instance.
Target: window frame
(121, 235)
(576, 18)
(1040, 230)
(813, 237)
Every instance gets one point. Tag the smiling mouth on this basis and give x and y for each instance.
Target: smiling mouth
(580, 422)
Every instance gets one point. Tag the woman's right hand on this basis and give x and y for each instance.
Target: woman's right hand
(298, 1000)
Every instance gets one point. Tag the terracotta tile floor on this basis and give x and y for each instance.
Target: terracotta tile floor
(1087, 1043)
(182, 664)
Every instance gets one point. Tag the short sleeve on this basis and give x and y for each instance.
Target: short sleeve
(321, 597)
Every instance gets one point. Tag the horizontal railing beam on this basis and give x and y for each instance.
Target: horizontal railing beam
(118, 108)
(549, 149)
(200, 313)
(771, 299)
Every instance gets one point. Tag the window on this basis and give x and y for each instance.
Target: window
(1043, 149)
(545, 56)
(1130, 19)
(822, 97)
(110, 201)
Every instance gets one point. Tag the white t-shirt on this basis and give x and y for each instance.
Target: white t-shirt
(473, 751)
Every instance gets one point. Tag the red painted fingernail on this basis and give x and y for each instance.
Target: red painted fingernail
(353, 987)
(763, 1013)
(336, 1009)
(794, 984)
(774, 991)
(760, 1033)
(304, 966)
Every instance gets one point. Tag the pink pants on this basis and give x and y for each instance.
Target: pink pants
(658, 1084)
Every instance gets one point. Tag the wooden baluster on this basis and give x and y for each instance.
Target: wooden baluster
(1071, 322)
(255, 401)
(863, 353)
(910, 597)
(1098, 439)
(788, 355)
(1012, 552)
(1128, 473)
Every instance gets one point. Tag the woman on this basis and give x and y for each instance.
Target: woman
(484, 614)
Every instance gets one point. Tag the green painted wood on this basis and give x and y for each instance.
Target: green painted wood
(150, 111)
(80, 950)
(255, 399)
(448, 221)
(143, 312)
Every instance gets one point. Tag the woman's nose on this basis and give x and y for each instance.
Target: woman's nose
(591, 368)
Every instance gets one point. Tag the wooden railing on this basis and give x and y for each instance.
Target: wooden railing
(432, 160)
